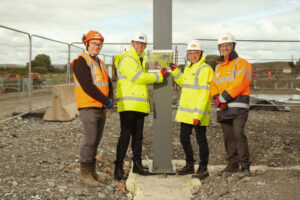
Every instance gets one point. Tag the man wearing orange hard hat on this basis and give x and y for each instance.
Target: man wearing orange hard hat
(94, 94)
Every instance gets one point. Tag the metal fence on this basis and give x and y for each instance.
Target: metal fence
(273, 63)
(21, 90)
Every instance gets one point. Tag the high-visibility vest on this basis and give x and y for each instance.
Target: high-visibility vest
(100, 79)
(232, 82)
(133, 80)
(195, 93)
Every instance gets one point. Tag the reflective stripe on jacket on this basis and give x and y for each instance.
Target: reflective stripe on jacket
(195, 93)
(133, 80)
(232, 82)
(100, 79)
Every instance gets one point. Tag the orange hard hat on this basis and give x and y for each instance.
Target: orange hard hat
(92, 35)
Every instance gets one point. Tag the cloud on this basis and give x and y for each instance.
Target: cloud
(118, 20)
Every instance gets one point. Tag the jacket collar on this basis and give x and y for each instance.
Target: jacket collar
(133, 52)
(233, 55)
(199, 63)
(94, 57)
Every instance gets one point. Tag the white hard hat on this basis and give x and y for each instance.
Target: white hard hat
(140, 37)
(226, 38)
(194, 45)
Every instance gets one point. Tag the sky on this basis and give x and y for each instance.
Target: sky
(118, 20)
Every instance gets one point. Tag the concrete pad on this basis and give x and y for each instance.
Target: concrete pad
(160, 186)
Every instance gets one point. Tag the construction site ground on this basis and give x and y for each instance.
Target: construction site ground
(40, 160)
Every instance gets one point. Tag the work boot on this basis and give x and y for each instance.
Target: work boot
(119, 173)
(244, 172)
(86, 174)
(139, 169)
(140, 162)
(201, 173)
(229, 169)
(96, 176)
(187, 169)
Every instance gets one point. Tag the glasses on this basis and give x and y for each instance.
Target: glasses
(223, 46)
(97, 44)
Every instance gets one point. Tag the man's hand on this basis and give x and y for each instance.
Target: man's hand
(173, 66)
(109, 104)
(196, 122)
(163, 72)
(222, 106)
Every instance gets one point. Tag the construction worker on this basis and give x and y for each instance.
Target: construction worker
(194, 107)
(133, 103)
(230, 90)
(94, 94)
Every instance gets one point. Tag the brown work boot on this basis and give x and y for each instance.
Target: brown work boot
(187, 169)
(86, 174)
(244, 172)
(96, 176)
(201, 173)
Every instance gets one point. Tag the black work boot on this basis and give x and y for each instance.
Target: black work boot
(139, 169)
(201, 173)
(187, 169)
(233, 168)
(140, 162)
(119, 173)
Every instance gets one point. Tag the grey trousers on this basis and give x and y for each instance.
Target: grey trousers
(236, 143)
(93, 120)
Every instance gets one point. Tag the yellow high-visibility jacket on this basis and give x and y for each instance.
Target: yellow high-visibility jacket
(133, 80)
(195, 93)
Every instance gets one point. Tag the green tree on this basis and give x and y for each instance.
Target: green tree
(212, 60)
(42, 61)
(40, 70)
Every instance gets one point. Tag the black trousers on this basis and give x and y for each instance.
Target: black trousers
(236, 143)
(185, 132)
(132, 124)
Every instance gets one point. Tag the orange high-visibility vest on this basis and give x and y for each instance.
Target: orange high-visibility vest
(100, 79)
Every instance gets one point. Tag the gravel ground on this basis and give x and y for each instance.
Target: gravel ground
(39, 159)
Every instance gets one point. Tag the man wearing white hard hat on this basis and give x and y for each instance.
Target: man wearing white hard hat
(133, 103)
(194, 107)
(230, 89)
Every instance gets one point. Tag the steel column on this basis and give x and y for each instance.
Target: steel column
(162, 94)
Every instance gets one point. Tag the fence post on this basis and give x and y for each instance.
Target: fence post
(68, 65)
(29, 71)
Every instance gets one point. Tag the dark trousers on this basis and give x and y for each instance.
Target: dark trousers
(185, 132)
(93, 120)
(236, 143)
(132, 124)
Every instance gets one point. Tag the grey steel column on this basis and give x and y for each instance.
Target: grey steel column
(162, 97)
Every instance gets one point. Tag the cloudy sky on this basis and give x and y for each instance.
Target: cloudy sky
(117, 20)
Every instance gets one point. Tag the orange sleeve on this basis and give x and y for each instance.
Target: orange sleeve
(213, 87)
(242, 80)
